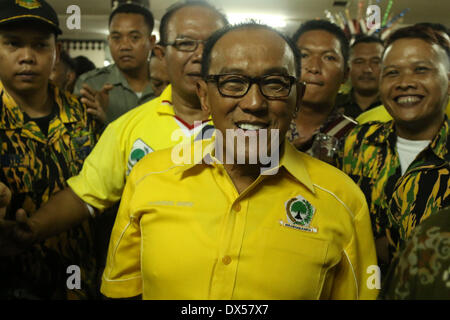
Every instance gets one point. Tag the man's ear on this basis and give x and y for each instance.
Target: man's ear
(346, 74)
(301, 88)
(159, 51)
(58, 47)
(152, 40)
(202, 93)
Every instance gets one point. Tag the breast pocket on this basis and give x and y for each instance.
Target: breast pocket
(295, 262)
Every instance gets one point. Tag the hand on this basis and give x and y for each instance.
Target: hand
(96, 101)
(16, 235)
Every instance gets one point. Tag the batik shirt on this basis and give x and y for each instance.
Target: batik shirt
(336, 125)
(422, 271)
(34, 167)
(372, 161)
(423, 191)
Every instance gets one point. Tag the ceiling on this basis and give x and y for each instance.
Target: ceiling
(94, 13)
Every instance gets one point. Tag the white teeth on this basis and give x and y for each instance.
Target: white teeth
(408, 100)
(248, 126)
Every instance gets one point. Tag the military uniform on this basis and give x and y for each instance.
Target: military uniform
(346, 103)
(121, 98)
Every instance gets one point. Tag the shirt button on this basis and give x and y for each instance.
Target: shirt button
(237, 207)
(226, 260)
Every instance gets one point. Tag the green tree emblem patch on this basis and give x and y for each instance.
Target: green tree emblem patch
(299, 211)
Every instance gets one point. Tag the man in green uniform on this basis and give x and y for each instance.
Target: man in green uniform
(126, 83)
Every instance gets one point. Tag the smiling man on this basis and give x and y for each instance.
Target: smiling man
(174, 117)
(408, 158)
(125, 84)
(290, 233)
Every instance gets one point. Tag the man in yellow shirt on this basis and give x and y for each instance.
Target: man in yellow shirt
(157, 124)
(192, 226)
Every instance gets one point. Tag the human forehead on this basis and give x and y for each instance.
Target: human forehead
(252, 50)
(127, 22)
(408, 51)
(366, 49)
(193, 21)
(27, 33)
(320, 40)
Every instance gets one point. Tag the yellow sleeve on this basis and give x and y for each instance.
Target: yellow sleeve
(101, 180)
(122, 274)
(353, 278)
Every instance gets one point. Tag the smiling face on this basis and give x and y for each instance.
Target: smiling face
(130, 41)
(252, 52)
(415, 84)
(365, 61)
(27, 57)
(191, 22)
(323, 66)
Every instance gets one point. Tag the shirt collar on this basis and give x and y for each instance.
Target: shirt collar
(291, 160)
(15, 116)
(386, 134)
(165, 105)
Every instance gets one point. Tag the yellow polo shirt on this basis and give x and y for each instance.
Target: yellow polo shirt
(184, 232)
(149, 127)
(380, 114)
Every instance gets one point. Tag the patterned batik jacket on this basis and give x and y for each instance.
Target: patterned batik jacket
(371, 160)
(423, 191)
(422, 270)
(336, 125)
(34, 167)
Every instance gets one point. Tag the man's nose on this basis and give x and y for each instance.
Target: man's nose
(27, 55)
(312, 64)
(254, 100)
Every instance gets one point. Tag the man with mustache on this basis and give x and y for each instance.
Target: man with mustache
(172, 118)
(125, 84)
(324, 54)
(45, 135)
(402, 166)
(215, 228)
(365, 59)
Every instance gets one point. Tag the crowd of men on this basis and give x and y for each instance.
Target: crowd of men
(224, 161)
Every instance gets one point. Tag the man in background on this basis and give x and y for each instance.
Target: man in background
(364, 71)
(125, 84)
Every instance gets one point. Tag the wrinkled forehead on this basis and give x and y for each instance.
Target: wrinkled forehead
(252, 50)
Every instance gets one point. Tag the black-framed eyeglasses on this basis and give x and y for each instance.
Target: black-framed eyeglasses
(186, 44)
(237, 86)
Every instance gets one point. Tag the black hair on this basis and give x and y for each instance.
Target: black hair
(435, 26)
(67, 60)
(137, 9)
(83, 65)
(423, 32)
(179, 5)
(325, 26)
(212, 40)
(366, 39)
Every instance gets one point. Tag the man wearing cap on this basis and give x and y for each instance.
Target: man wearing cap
(126, 83)
(45, 135)
(172, 118)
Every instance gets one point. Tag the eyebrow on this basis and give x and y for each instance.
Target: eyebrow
(274, 70)
(322, 52)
